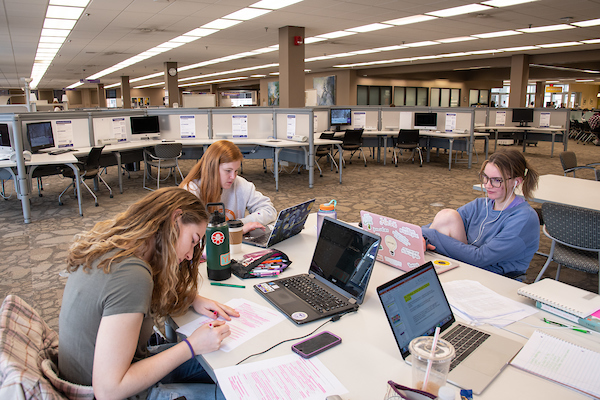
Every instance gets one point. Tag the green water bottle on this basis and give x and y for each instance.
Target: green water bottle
(218, 257)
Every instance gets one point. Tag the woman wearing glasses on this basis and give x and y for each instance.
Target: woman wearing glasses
(500, 232)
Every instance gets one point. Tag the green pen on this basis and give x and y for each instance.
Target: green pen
(566, 326)
(227, 284)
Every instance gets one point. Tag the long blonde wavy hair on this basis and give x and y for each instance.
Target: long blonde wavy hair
(207, 169)
(149, 221)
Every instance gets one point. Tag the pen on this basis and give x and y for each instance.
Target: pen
(566, 326)
(227, 284)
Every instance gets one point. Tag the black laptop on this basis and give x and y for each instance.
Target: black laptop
(337, 279)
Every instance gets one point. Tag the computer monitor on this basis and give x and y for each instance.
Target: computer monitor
(426, 121)
(145, 127)
(339, 117)
(40, 136)
(4, 136)
(522, 115)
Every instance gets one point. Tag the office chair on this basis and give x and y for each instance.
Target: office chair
(408, 139)
(89, 169)
(164, 155)
(352, 141)
(575, 234)
(568, 160)
(325, 151)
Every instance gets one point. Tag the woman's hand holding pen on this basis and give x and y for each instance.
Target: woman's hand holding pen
(209, 336)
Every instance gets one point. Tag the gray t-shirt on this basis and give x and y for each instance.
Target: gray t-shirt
(88, 297)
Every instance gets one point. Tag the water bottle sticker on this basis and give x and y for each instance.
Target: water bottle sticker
(217, 238)
(225, 259)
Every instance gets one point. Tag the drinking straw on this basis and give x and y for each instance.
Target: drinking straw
(436, 336)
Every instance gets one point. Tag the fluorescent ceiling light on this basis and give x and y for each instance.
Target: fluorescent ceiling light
(112, 86)
(72, 3)
(552, 81)
(584, 80)
(391, 48)
(591, 41)
(274, 73)
(257, 76)
(496, 34)
(310, 40)
(318, 58)
(369, 28)
(55, 32)
(63, 12)
(263, 50)
(49, 46)
(220, 24)
(457, 39)
(149, 85)
(247, 13)
(367, 51)
(460, 54)
(200, 32)
(421, 58)
(521, 48)
(241, 78)
(410, 20)
(563, 44)
(466, 9)
(478, 52)
(336, 34)
(421, 44)
(548, 28)
(50, 39)
(274, 4)
(184, 39)
(585, 24)
(55, 23)
(49, 57)
(505, 3)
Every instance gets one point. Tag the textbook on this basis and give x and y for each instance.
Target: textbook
(564, 297)
(590, 322)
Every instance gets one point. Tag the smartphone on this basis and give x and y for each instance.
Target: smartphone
(316, 344)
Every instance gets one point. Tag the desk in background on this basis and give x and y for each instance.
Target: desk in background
(529, 133)
(368, 356)
(446, 140)
(564, 190)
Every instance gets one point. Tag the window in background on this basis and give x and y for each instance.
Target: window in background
(373, 95)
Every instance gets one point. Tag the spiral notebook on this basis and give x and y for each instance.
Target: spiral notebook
(565, 297)
(560, 361)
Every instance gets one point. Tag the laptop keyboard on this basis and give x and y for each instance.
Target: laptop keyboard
(465, 340)
(318, 298)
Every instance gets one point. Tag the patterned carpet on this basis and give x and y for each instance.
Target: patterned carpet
(33, 255)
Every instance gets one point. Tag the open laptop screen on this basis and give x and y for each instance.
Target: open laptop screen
(415, 304)
(344, 256)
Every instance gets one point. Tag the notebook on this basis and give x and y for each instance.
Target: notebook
(338, 275)
(401, 243)
(565, 297)
(415, 304)
(289, 223)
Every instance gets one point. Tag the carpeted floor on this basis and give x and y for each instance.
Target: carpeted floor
(33, 255)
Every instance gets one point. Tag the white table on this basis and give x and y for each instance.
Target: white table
(368, 356)
(450, 137)
(41, 159)
(565, 190)
(525, 130)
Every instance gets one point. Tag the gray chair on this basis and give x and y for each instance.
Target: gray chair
(162, 156)
(408, 139)
(88, 169)
(325, 151)
(575, 234)
(568, 160)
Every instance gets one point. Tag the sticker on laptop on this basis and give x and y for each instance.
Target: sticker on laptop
(299, 315)
(265, 287)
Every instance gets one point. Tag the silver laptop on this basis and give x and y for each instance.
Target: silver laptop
(337, 279)
(415, 304)
(289, 223)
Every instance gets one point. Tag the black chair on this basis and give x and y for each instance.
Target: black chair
(575, 234)
(325, 151)
(352, 142)
(408, 139)
(164, 155)
(88, 169)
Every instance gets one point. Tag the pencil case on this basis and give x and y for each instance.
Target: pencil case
(260, 264)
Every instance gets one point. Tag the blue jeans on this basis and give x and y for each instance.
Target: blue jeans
(189, 380)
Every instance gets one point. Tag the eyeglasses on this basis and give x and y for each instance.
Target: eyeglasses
(495, 182)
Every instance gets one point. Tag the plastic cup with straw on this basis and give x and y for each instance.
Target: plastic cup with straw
(436, 337)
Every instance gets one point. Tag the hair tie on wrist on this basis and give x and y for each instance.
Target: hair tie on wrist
(191, 348)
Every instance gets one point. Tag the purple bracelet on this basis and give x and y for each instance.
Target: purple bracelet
(191, 348)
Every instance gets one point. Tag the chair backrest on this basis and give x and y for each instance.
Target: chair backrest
(327, 135)
(168, 150)
(576, 226)
(93, 159)
(568, 160)
(597, 172)
(408, 136)
(353, 136)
